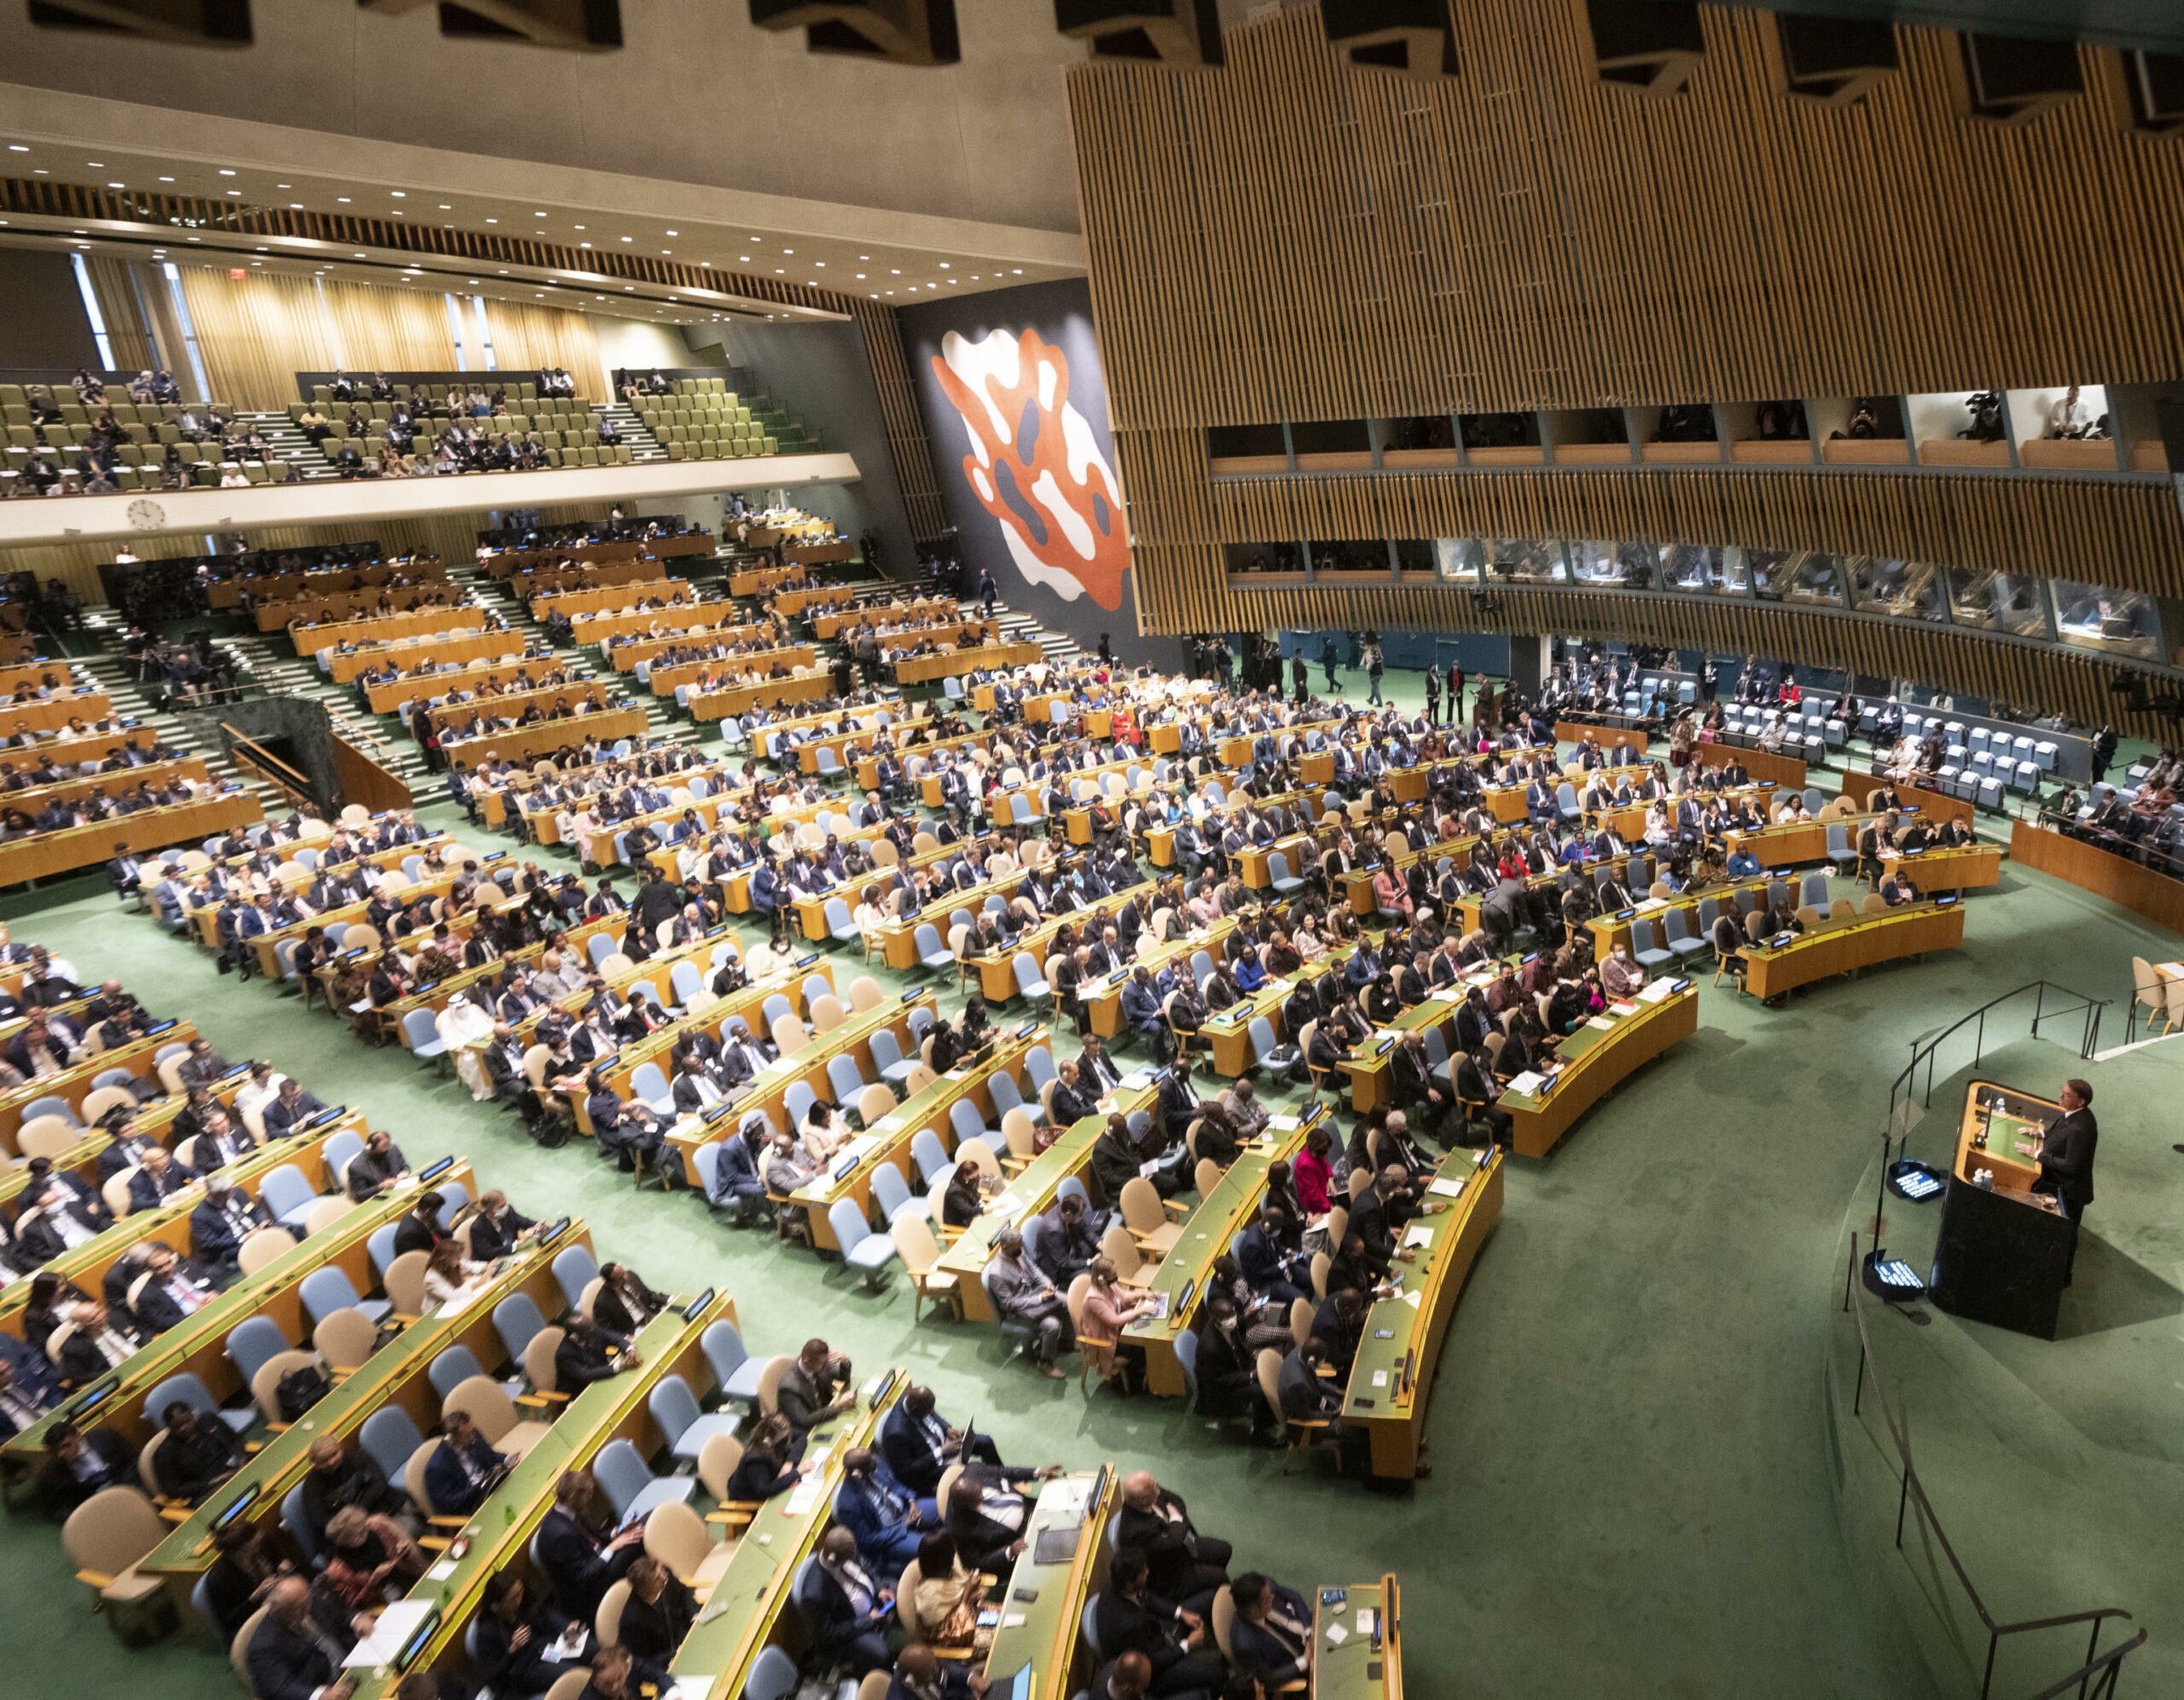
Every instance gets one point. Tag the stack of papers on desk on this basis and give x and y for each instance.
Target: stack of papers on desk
(1137, 1080)
(1656, 991)
(1443, 1187)
(395, 1626)
(1602, 1023)
(857, 1149)
(1418, 1235)
(1646, 906)
(1287, 1125)
(1623, 1007)
(1528, 1082)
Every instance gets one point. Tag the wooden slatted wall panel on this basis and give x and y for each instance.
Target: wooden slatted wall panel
(1993, 669)
(1292, 239)
(2093, 530)
(908, 444)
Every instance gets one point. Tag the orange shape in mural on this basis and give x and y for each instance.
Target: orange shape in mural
(1009, 389)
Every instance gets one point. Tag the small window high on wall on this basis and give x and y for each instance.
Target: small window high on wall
(91, 311)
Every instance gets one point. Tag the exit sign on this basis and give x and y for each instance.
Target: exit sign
(236, 274)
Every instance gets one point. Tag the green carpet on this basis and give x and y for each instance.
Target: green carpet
(1630, 1488)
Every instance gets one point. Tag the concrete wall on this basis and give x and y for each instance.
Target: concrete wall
(818, 374)
(638, 342)
(43, 322)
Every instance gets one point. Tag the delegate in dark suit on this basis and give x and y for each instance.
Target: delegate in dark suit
(293, 1661)
(2066, 1159)
(1181, 1564)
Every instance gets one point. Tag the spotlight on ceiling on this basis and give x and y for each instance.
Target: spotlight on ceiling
(1185, 34)
(906, 31)
(200, 23)
(1408, 37)
(571, 25)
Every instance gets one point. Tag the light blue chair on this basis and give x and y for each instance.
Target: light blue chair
(1278, 874)
(451, 1367)
(893, 1195)
(963, 1118)
(630, 1486)
(575, 1269)
(192, 1392)
(932, 951)
(649, 1084)
(286, 1196)
(675, 1408)
(862, 1249)
(843, 1076)
(888, 1060)
(1676, 929)
(517, 1320)
(390, 1437)
(930, 1155)
(840, 928)
(251, 1343)
(734, 1368)
(1644, 948)
(421, 1027)
(1029, 981)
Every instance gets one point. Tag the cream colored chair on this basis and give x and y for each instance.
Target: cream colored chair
(677, 1536)
(326, 1212)
(405, 1284)
(1120, 1250)
(1155, 1224)
(495, 1413)
(920, 1251)
(345, 1339)
(106, 1537)
(266, 1385)
(51, 1136)
(262, 1247)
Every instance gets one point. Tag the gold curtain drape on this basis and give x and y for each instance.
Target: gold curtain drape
(527, 338)
(255, 335)
(389, 330)
(126, 333)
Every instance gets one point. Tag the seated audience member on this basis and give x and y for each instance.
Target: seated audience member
(462, 1468)
(1182, 1565)
(918, 1444)
(846, 1609)
(1272, 1634)
(196, 1456)
(1178, 1644)
(580, 1562)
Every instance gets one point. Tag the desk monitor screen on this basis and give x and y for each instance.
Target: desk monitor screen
(1896, 1272)
(440, 1168)
(419, 1639)
(1916, 1183)
(243, 1501)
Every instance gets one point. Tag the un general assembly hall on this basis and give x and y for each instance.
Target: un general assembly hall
(1092, 849)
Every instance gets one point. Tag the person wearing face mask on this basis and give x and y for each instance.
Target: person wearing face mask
(1620, 976)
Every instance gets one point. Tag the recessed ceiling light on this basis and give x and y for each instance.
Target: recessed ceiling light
(116, 185)
(674, 233)
(743, 257)
(864, 256)
(627, 239)
(284, 185)
(584, 244)
(473, 280)
(234, 191)
(859, 277)
(444, 207)
(1020, 271)
(343, 199)
(492, 221)
(667, 252)
(359, 256)
(225, 172)
(896, 272)
(788, 251)
(295, 206)
(17, 147)
(777, 272)
(399, 194)
(944, 265)
(42, 172)
(166, 180)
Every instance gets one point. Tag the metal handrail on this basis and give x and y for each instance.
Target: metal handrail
(1907, 1082)
(2110, 1665)
(1912, 1493)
